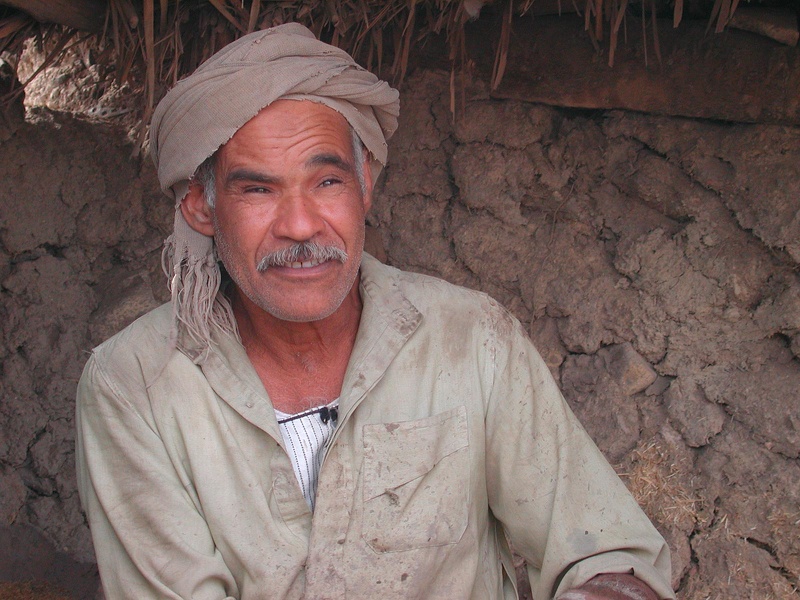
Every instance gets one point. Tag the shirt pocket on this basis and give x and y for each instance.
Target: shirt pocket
(416, 482)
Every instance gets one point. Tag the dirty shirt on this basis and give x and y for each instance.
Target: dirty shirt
(452, 438)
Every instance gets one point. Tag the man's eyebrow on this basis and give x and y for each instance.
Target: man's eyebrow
(238, 175)
(330, 159)
(333, 160)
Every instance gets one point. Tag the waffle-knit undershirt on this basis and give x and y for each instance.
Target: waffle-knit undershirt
(306, 435)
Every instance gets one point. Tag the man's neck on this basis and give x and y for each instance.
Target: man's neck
(301, 364)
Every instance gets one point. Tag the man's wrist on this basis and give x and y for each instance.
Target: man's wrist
(611, 586)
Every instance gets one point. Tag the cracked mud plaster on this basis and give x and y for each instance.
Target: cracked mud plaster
(665, 244)
(631, 245)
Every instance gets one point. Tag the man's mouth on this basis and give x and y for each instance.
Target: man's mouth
(305, 264)
(302, 255)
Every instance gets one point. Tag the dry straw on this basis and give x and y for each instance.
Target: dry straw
(660, 488)
(153, 43)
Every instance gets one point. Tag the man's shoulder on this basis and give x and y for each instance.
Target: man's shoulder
(440, 300)
(430, 293)
(142, 344)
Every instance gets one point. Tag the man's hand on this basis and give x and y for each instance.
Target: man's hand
(610, 586)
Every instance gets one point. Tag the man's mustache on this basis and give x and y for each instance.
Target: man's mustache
(301, 252)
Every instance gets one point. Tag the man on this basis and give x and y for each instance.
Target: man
(309, 423)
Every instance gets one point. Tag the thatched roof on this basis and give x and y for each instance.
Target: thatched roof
(153, 43)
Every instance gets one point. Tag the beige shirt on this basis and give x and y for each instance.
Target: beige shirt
(451, 435)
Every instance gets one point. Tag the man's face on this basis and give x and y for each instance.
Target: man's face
(287, 177)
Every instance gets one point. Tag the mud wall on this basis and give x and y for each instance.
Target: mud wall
(80, 231)
(655, 261)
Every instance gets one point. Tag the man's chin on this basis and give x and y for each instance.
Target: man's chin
(295, 316)
(307, 312)
(298, 301)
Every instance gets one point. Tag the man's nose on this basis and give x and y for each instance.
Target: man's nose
(298, 218)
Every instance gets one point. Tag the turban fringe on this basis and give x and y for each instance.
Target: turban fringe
(202, 112)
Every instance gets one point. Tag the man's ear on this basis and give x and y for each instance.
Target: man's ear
(196, 210)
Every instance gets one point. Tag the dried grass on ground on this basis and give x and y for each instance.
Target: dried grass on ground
(656, 483)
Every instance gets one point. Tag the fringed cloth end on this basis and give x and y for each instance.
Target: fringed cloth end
(189, 261)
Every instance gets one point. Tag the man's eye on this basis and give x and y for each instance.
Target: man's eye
(330, 181)
(256, 189)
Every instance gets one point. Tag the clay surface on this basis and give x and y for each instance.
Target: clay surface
(653, 259)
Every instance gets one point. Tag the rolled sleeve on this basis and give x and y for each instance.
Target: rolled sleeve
(625, 561)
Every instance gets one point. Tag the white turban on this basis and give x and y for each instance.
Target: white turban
(203, 111)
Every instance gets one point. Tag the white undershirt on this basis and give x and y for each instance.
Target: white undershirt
(305, 436)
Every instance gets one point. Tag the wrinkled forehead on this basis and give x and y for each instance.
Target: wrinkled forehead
(294, 118)
(300, 129)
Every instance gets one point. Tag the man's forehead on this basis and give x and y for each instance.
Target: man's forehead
(294, 130)
(293, 120)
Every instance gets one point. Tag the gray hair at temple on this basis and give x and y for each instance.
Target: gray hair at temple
(189, 126)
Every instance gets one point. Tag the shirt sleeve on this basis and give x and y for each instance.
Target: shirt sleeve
(150, 538)
(561, 504)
